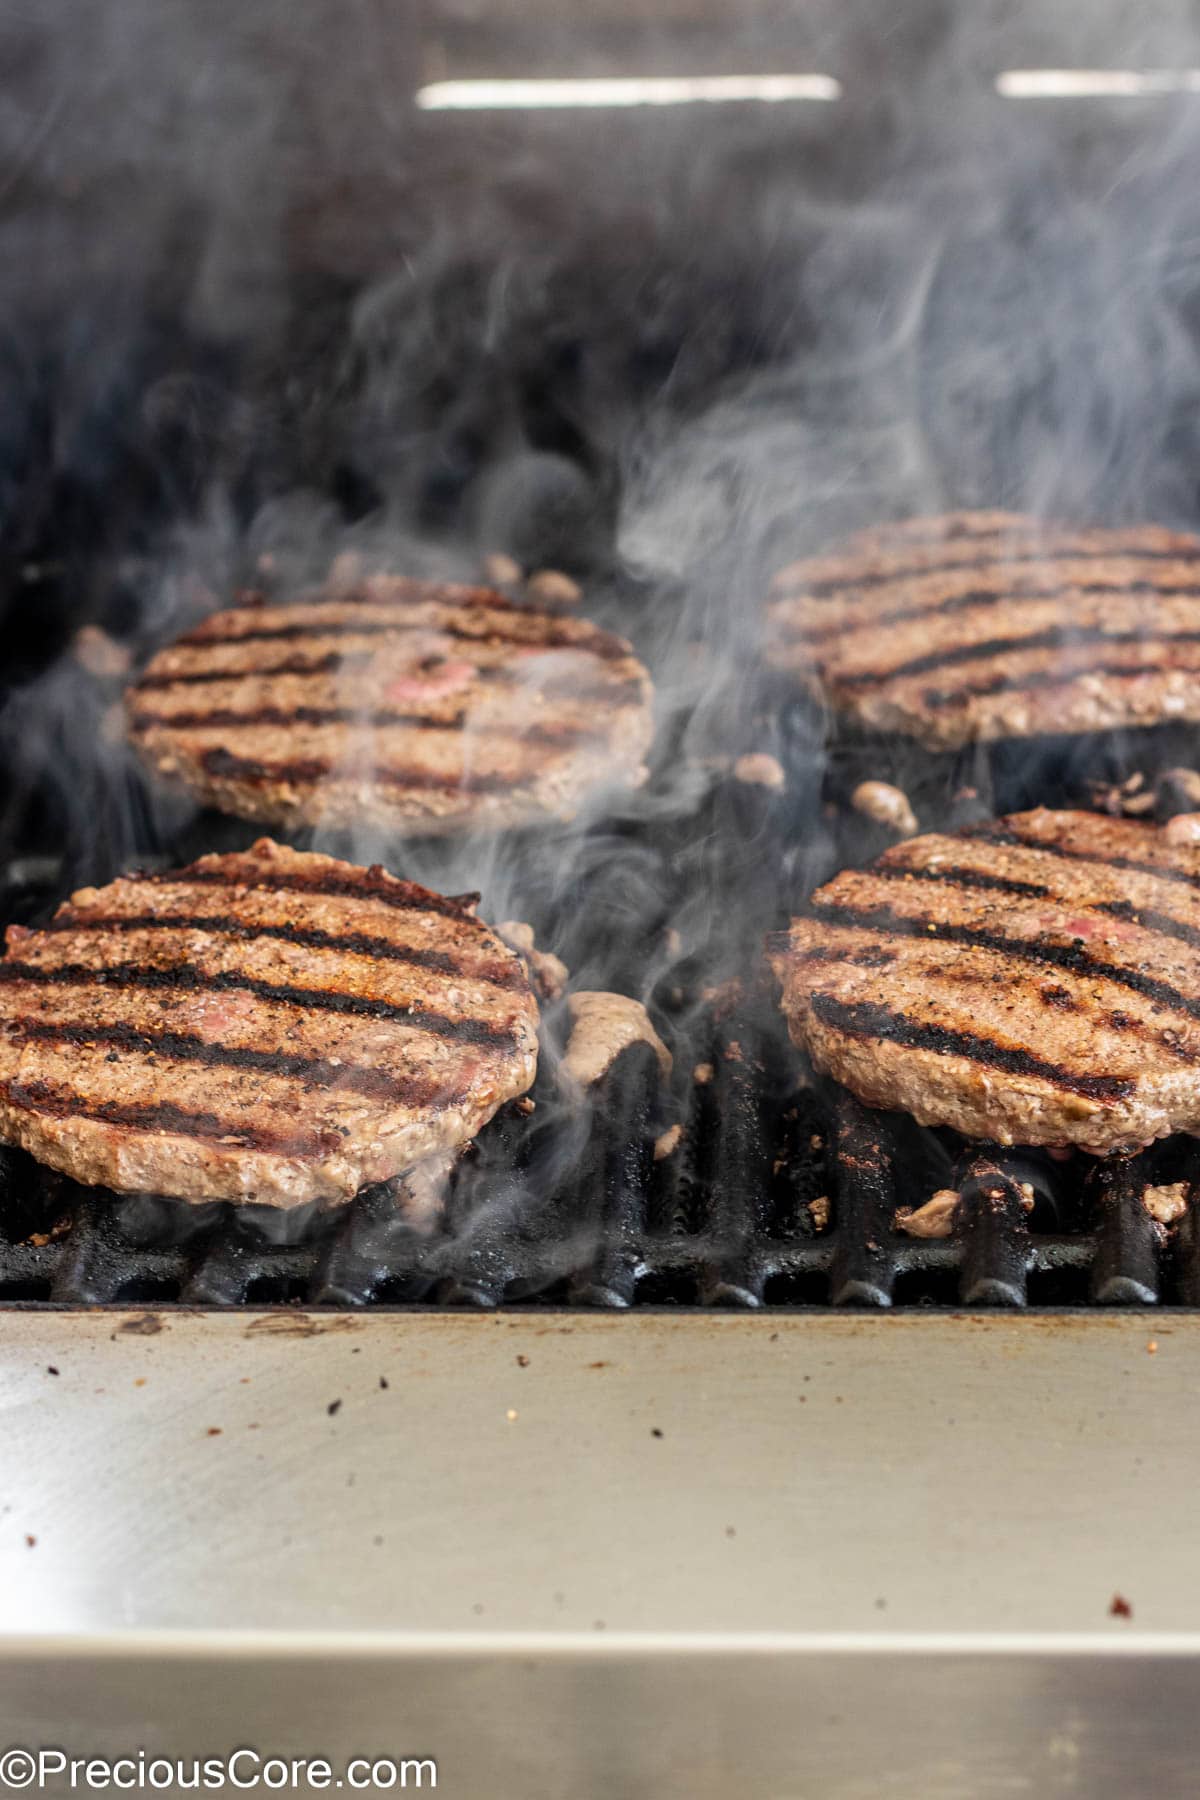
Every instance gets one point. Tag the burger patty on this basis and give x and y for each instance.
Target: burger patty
(272, 1026)
(433, 707)
(1032, 980)
(987, 625)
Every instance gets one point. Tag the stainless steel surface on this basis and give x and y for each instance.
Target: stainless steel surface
(813, 1474)
(866, 1556)
(779, 1721)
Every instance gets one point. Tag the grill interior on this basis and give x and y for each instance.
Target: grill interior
(774, 1196)
(285, 312)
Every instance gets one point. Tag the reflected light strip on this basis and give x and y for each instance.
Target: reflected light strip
(1063, 84)
(667, 90)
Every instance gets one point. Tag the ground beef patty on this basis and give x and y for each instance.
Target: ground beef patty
(271, 1027)
(987, 625)
(1033, 980)
(430, 707)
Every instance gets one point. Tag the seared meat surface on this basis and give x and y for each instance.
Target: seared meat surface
(273, 1026)
(1032, 980)
(416, 705)
(981, 626)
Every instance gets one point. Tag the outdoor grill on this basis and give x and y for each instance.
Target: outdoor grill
(666, 1459)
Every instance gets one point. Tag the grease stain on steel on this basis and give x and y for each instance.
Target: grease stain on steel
(299, 1324)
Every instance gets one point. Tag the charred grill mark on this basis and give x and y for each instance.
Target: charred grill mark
(1072, 958)
(1160, 923)
(293, 715)
(1057, 996)
(1041, 678)
(373, 883)
(548, 637)
(165, 1116)
(185, 978)
(398, 592)
(962, 877)
(976, 599)
(381, 719)
(834, 586)
(866, 1019)
(352, 943)
(607, 689)
(994, 832)
(291, 665)
(305, 771)
(183, 1046)
(1055, 637)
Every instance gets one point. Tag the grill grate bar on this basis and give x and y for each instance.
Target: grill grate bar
(995, 1259)
(1125, 1269)
(863, 1268)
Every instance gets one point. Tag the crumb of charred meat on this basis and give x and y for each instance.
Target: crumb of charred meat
(724, 998)
(933, 1220)
(550, 587)
(504, 570)
(1178, 791)
(760, 770)
(1184, 828)
(668, 1143)
(100, 654)
(1124, 799)
(548, 972)
(1166, 1204)
(818, 1212)
(703, 1073)
(602, 1026)
(886, 804)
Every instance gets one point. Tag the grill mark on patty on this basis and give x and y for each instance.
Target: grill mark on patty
(410, 593)
(609, 649)
(351, 943)
(600, 689)
(225, 766)
(963, 877)
(185, 1046)
(1162, 924)
(1072, 958)
(993, 832)
(980, 599)
(373, 883)
(290, 665)
(1054, 637)
(163, 1116)
(834, 586)
(867, 1019)
(185, 978)
(943, 698)
(380, 720)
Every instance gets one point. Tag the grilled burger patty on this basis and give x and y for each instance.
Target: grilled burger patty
(987, 625)
(272, 1027)
(1032, 980)
(430, 706)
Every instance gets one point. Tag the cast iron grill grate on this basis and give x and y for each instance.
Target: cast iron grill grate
(763, 1203)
